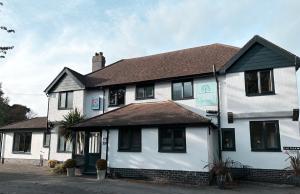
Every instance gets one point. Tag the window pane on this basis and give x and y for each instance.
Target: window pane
(17, 140)
(47, 139)
(266, 81)
(27, 145)
(272, 135)
(112, 97)
(257, 139)
(121, 97)
(251, 82)
(68, 146)
(62, 100)
(124, 141)
(149, 91)
(70, 100)
(228, 140)
(188, 89)
(94, 142)
(140, 93)
(179, 139)
(165, 139)
(177, 91)
(61, 143)
(80, 139)
(136, 139)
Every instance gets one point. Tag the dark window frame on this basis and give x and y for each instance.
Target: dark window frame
(115, 88)
(66, 100)
(14, 151)
(232, 130)
(44, 139)
(130, 148)
(143, 86)
(160, 149)
(65, 145)
(182, 83)
(259, 93)
(265, 137)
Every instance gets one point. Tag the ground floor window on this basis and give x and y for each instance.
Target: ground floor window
(228, 139)
(171, 139)
(130, 140)
(46, 141)
(64, 145)
(265, 136)
(22, 142)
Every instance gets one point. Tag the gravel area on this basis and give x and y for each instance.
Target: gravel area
(15, 179)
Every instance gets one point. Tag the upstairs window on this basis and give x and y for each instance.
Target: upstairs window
(117, 96)
(172, 139)
(129, 140)
(259, 82)
(144, 91)
(22, 142)
(265, 136)
(182, 90)
(65, 100)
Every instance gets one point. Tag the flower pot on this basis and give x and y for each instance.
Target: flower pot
(221, 181)
(70, 172)
(101, 174)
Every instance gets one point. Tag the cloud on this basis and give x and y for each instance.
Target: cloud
(50, 36)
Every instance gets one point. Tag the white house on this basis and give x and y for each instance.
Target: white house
(25, 142)
(165, 116)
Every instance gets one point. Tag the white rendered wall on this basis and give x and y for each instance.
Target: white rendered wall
(37, 148)
(54, 155)
(234, 99)
(57, 115)
(89, 95)
(194, 159)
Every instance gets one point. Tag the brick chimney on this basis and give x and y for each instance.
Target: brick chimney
(98, 61)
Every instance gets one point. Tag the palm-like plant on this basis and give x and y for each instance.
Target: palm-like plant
(72, 118)
(294, 163)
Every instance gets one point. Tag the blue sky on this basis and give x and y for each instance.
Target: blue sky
(53, 34)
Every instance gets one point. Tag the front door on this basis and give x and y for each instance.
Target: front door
(94, 151)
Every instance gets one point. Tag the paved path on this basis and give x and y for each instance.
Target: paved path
(36, 180)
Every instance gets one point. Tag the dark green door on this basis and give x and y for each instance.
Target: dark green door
(94, 151)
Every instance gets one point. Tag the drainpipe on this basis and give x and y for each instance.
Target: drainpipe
(107, 139)
(48, 131)
(3, 148)
(219, 114)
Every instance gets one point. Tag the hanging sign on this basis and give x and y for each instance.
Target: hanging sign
(206, 94)
(95, 104)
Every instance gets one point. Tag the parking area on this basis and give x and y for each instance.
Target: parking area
(38, 180)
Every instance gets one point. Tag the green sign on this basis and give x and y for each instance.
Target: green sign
(206, 94)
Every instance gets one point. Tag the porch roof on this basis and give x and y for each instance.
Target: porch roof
(30, 124)
(145, 114)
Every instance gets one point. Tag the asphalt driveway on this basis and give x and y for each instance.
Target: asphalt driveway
(15, 179)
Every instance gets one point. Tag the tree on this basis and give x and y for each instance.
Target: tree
(72, 118)
(10, 114)
(4, 49)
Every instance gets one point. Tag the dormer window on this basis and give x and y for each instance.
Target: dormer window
(65, 100)
(116, 96)
(259, 82)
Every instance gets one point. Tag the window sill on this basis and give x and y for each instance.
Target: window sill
(228, 150)
(46, 146)
(144, 98)
(65, 108)
(174, 152)
(253, 150)
(129, 150)
(183, 99)
(263, 94)
(112, 105)
(64, 152)
(24, 153)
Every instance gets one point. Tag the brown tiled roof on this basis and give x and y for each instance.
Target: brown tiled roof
(145, 114)
(35, 123)
(187, 62)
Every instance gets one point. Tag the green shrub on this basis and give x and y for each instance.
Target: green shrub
(70, 163)
(59, 169)
(101, 164)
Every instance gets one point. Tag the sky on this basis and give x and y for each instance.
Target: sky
(51, 35)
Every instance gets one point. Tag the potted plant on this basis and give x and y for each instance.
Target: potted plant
(70, 165)
(294, 167)
(220, 170)
(101, 169)
(52, 163)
